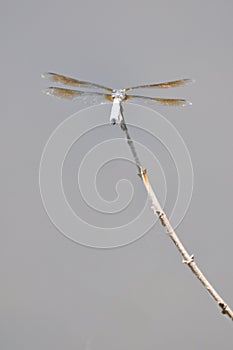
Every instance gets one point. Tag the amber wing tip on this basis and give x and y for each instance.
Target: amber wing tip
(46, 91)
(186, 103)
(47, 75)
(188, 80)
(44, 75)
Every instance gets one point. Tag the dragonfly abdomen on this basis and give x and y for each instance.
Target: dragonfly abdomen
(115, 117)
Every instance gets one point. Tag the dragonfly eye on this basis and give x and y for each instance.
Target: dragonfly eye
(113, 121)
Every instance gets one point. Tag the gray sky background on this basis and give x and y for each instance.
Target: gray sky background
(57, 294)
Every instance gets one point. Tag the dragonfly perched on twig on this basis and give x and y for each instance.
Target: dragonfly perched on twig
(117, 97)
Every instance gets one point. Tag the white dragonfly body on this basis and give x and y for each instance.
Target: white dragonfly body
(117, 97)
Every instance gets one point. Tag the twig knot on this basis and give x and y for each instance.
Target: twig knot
(223, 307)
(188, 261)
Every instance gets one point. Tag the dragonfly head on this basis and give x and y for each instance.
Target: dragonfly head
(119, 94)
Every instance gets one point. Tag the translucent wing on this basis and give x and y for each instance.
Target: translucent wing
(83, 96)
(61, 79)
(165, 85)
(162, 101)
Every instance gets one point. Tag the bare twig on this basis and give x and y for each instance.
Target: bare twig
(131, 144)
(187, 259)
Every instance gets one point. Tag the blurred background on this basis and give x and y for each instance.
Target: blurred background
(56, 293)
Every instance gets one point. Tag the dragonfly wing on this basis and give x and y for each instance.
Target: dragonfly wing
(165, 85)
(151, 101)
(61, 79)
(82, 96)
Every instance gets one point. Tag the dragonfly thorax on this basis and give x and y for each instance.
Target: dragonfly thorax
(119, 94)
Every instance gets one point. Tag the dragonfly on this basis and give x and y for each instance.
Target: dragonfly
(115, 96)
